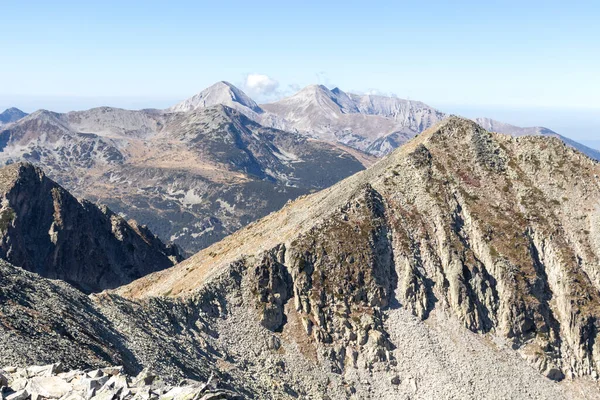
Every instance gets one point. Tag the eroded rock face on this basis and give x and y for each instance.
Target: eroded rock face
(46, 230)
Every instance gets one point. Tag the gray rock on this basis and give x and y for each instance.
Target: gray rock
(18, 395)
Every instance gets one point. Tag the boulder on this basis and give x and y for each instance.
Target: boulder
(49, 387)
(45, 370)
(146, 377)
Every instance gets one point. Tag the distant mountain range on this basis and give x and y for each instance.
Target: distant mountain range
(193, 177)
(370, 123)
(217, 161)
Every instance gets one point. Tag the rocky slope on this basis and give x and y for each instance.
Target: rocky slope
(192, 177)
(54, 382)
(494, 232)
(44, 229)
(496, 126)
(11, 115)
(213, 337)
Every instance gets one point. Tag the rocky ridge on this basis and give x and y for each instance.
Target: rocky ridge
(44, 229)
(495, 232)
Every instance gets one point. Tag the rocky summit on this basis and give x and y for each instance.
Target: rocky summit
(44, 229)
(463, 265)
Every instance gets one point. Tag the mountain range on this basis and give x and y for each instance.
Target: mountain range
(462, 265)
(192, 177)
(215, 162)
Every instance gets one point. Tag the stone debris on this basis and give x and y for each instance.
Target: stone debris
(110, 383)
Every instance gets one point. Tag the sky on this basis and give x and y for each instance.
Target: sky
(528, 62)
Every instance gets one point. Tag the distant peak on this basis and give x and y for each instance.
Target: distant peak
(11, 115)
(221, 92)
(316, 88)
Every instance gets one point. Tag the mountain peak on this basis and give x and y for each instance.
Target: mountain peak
(46, 230)
(223, 93)
(10, 174)
(11, 115)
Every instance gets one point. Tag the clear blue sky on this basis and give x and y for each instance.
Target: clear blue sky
(461, 56)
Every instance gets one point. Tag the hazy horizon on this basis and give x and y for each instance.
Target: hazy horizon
(521, 63)
(579, 124)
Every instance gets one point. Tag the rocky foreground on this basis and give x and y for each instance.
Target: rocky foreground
(109, 383)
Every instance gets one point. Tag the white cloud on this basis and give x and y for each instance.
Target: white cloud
(261, 85)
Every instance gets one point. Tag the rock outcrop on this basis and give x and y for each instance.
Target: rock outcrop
(44, 229)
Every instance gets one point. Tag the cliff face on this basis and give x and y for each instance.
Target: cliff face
(46, 230)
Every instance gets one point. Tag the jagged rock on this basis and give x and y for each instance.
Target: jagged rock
(56, 386)
(45, 370)
(96, 373)
(146, 377)
(44, 229)
(49, 387)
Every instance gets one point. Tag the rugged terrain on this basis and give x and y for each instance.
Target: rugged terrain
(54, 382)
(495, 232)
(192, 177)
(217, 161)
(463, 265)
(44, 229)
